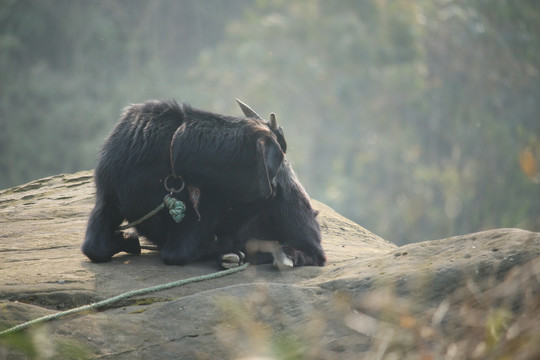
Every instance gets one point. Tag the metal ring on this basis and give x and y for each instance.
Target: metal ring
(171, 189)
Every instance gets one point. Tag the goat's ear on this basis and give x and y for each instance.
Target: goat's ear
(269, 159)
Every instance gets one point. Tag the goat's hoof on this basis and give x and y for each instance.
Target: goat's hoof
(282, 261)
(232, 260)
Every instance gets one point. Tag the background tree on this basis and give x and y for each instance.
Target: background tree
(418, 119)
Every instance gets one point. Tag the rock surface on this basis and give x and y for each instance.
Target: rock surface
(471, 296)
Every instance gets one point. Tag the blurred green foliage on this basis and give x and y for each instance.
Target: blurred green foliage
(417, 119)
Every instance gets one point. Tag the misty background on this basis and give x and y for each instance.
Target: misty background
(416, 119)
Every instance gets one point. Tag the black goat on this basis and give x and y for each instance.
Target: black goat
(235, 172)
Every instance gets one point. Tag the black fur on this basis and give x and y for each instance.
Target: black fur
(289, 218)
(235, 162)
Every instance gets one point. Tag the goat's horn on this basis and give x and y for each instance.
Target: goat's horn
(248, 111)
(273, 122)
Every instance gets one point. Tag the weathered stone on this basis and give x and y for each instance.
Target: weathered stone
(371, 296)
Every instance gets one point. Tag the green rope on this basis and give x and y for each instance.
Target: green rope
(176, 208)
(126, 295)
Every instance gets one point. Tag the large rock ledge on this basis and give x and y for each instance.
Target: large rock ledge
(470, 296)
